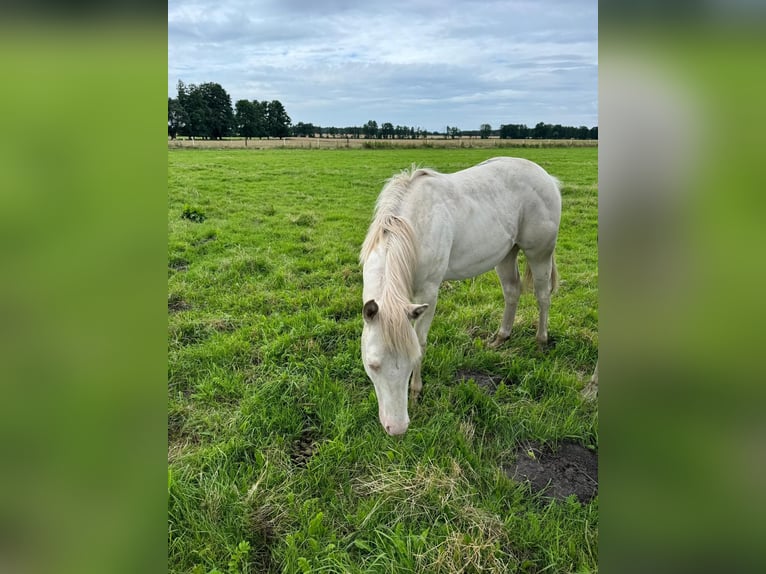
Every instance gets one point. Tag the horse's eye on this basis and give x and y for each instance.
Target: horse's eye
(374, 366)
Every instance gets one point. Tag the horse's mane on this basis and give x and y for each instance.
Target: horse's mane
(398, 238)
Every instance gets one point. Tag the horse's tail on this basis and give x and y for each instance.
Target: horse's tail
(528, 282)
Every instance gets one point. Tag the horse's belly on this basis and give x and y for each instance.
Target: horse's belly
(465, 263)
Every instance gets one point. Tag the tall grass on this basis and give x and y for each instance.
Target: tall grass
(276, 458)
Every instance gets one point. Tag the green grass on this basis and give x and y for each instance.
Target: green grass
(277, 461)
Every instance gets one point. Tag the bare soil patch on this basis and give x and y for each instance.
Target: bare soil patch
(558, 472)
(485, 381)
(176, 303)
(178, 264)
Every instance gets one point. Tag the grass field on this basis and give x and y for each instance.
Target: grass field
(276, 458)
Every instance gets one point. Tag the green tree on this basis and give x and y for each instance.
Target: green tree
(485, 131)
(220, 119)
(247, 120)
(542, 131)
(277, 120)
(207, 109)
(304, 130)
(370, 129)
(195, 111)
(261, 111)
(176, 117)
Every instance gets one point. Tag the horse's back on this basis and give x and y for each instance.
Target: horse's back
(523, 193)
(507, 190)
(481, 212)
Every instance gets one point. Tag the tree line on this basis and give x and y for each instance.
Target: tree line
(205, 111)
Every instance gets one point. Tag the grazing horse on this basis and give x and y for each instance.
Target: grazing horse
(428, 227)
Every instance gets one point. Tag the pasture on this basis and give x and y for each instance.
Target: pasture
(276, 458)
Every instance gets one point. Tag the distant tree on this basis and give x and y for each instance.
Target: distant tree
(387, 130)
(207, 109)
(370, 129)
(512, 131)
(305, 130)
(547, 131)
(246, 119)
(277, 122)
(176, 117)
(542, 131)
(261, 111)
(195, 110)
(485, 131)
(220, 117)
(454, 132)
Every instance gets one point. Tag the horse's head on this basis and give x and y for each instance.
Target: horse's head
(390, 350)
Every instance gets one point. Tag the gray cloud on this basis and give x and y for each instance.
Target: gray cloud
(424, 63)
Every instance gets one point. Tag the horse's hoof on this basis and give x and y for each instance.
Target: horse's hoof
(497, 341)
(547, 344)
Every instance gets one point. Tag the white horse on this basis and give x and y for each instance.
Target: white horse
(429, 227)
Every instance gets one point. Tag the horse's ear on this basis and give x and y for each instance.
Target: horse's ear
(370, 310)
(415, 311)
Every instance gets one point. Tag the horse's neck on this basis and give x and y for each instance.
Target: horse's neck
(377, 278)
(373, 275)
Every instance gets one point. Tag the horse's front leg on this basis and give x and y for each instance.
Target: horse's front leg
(416, 382)
(422, 325)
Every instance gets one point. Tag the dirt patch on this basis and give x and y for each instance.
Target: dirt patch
(557, 472)
(189, 333)
(178, 264)
(262, 537)
(224, 325)
(176, 303)
(485, 381)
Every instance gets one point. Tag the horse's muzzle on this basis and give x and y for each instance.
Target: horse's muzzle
(394, 427)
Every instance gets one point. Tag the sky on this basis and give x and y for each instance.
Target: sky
(418, 63)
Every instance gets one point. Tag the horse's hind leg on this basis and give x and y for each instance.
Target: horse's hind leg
(508, 272)
(543, 271)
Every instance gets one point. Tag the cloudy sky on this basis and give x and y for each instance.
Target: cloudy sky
(420, 63)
